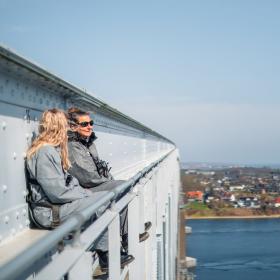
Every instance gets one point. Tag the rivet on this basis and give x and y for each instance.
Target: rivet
(14, 155)
(27, 222)
(27, 116)
(4, 188)
(24, 212)
(4, 125)
(17, 215)
(24, 192)
(27, 134)
(6, 219)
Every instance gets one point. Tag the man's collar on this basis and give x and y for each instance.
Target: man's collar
(75, 136)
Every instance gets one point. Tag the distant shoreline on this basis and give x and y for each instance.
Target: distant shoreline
(232, 217)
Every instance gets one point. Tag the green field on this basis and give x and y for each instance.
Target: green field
(195, 205)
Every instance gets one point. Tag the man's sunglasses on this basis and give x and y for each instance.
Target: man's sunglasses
(85, 124)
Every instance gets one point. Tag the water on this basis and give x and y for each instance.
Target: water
(235, 249)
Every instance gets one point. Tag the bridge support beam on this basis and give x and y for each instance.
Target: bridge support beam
(114, 249)
(133, 237)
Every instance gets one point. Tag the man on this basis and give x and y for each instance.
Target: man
(91, 172)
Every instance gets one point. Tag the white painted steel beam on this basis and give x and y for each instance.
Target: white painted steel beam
(133, 237)
(25, 91)
(114, 249)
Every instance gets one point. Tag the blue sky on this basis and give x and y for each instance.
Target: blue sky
(203, 73)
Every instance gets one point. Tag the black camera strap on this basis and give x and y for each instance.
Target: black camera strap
(101, 166)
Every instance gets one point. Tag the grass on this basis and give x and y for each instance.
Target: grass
(195, 205)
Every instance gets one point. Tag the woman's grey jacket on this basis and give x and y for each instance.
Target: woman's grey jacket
(49, 183)
(83, 157)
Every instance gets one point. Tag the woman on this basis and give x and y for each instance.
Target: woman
(91, 172)
(54, 194)
(86, 166)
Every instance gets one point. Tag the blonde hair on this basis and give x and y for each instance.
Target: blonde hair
(53, 131)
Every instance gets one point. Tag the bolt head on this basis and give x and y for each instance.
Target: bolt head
(4, 188)
(6, 219)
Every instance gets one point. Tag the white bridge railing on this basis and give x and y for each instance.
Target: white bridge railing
(152, 197)
(145, 159)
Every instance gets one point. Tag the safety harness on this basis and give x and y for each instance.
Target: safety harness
(32, 204)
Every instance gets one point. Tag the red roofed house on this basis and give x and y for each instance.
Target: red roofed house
(198, 195)
(277, 202)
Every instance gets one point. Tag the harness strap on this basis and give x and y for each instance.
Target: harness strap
(32, 204)
(101, 165)
(55, 216)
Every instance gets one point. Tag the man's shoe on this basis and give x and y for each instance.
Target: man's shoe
(143, 236)
(103, 260)
(126, 259)
(148, 225)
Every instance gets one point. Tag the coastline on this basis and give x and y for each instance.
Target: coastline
(232, 217)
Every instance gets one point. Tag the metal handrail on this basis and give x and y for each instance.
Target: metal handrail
(17, 266)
